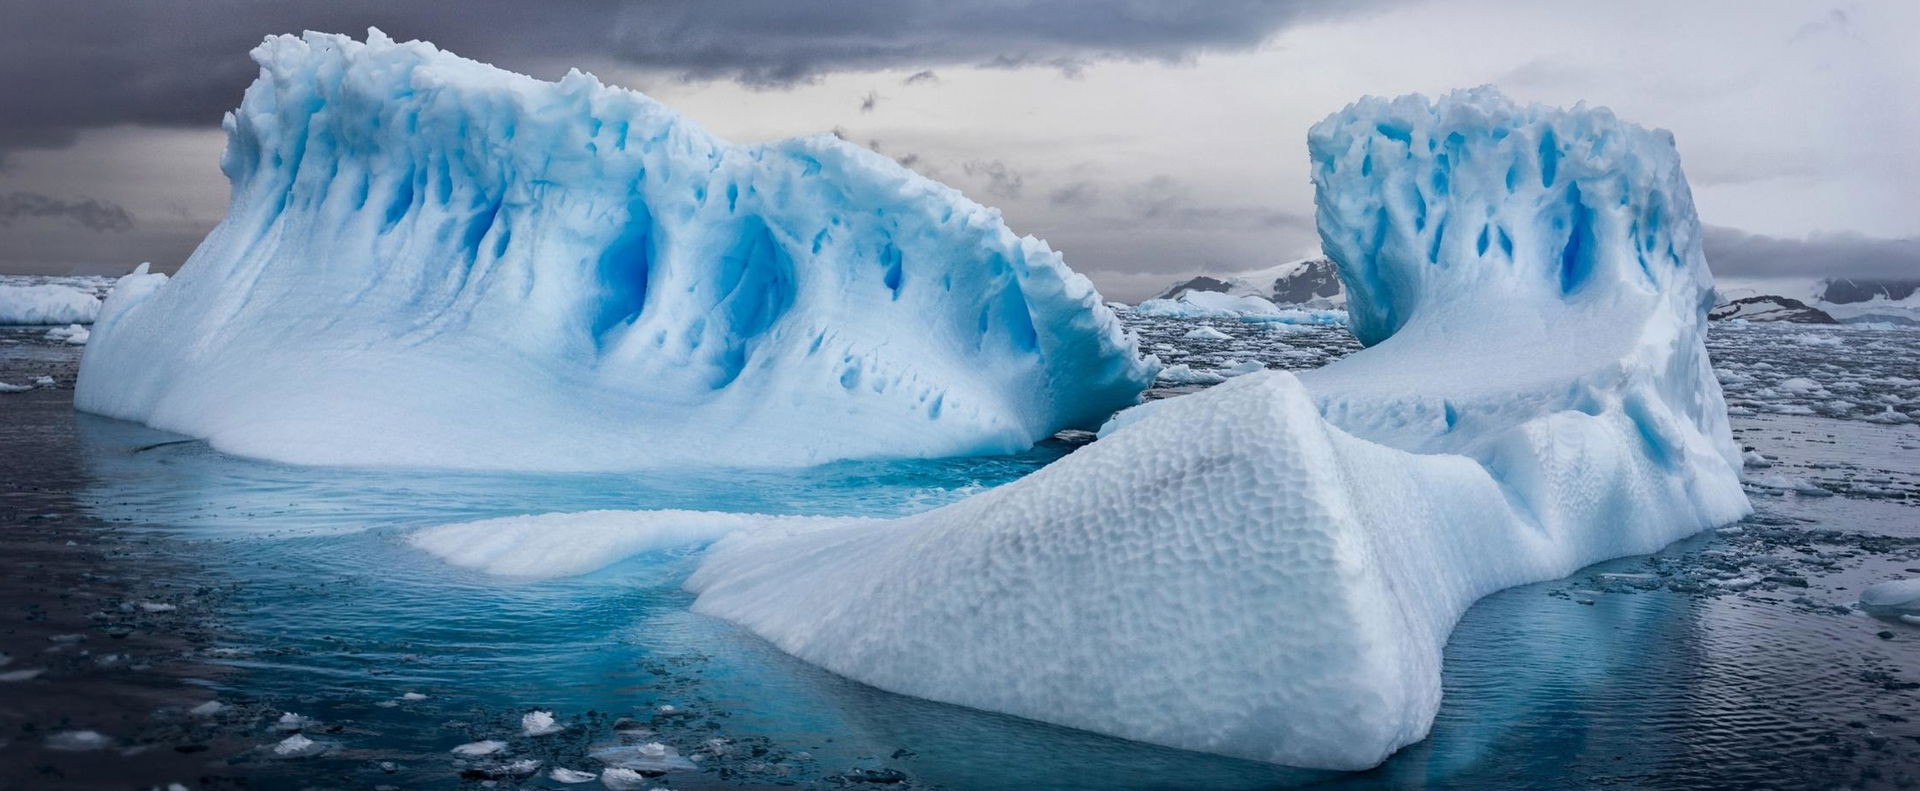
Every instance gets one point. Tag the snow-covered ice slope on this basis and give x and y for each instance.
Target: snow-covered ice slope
(429, 261)
(1270, 568)
(46, 303)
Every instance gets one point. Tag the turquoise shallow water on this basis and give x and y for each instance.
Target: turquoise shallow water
(1734, 659)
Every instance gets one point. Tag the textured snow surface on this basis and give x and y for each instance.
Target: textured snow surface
(429, 261)
(47, 304)
(1270, 568)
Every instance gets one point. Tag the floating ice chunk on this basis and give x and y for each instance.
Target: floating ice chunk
(25, 674)
(47, 304)
(290, 721)
(1183, 375)
(560, 545)
(413, 696)
(1790, 483)
(651, 757)
(479, 748)
(1754, 460)
(43, 381)
(623, 779)
(1898, 597)
(561, 774)
(1206, 333)
(540, 723)
(157, 607)
(79, 741)
(1241, 368)
(13, 388)
(72, 333)
(570, 276)
(208, 709)
(298, 746)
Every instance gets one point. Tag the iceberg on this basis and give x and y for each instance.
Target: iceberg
(1270, 568)
(47, 303)
(429, 261)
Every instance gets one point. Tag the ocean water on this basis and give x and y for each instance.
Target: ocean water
(1730, 660)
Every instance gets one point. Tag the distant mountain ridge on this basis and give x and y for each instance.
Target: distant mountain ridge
(1770, 308)
(1309, 281)
(1845, 300)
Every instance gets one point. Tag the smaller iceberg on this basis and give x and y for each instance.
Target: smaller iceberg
(47, 303)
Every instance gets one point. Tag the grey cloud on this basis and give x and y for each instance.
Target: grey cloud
(1078, 195)
(1002, 181)
(88, 213)
(1735, 253)
(868, 102)
(1167, 201)
(78, 65)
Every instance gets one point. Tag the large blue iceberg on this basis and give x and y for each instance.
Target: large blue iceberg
(1270, 568)
(429, 261)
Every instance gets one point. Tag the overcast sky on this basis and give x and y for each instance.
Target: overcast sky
(1148, 139)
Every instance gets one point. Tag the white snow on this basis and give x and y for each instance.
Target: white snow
(1270, 568)
(432, 262)
(47, 303)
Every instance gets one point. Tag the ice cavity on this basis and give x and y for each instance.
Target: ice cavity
(429, 261)
(1270, 568)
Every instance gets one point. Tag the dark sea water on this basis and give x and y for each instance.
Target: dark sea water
(1735, 659)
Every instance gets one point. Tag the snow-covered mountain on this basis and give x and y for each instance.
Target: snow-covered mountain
(1308, 281)
(1770, 308)
(1845, 300)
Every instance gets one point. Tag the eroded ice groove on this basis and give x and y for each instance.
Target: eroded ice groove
(429, 261)
(1270, 569)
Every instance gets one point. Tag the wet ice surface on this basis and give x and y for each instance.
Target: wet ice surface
(1736, 658)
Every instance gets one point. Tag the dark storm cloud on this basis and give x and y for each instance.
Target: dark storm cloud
(97, 215)
(76, 65)
(1735, 253)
